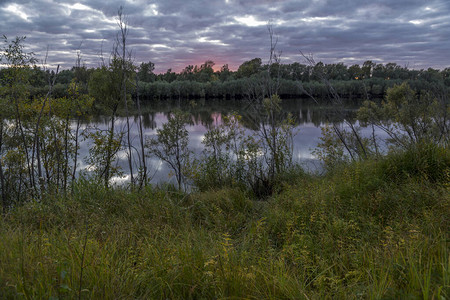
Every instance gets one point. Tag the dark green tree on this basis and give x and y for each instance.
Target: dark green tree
(225, 73)
(145, 72)
(355, 72)
(249, 68)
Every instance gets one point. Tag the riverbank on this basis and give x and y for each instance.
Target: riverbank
(372, 229)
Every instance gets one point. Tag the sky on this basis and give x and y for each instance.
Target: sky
(176, 33)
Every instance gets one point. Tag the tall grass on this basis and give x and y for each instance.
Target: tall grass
(374, 229)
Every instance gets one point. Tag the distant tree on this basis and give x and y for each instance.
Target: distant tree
(318, 70)
(249, 68)
(355, 72)
(279, 70)
(379, 71)
(187, 73)
(431, 75)
(169, 76)
(367, 69)
(392, 70)
(446, 76)
(82, 74)
(298, 72)
(145, 72)
(205, 72)
(224, 73)
(38, 77)
(336, 71)
(65, 77)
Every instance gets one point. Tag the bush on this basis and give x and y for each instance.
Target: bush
(428, 161)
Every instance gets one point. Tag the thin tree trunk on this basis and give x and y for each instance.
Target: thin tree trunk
(123, 35)
(66, 154)
(141, 136)
(109, 151)
(36, 145)
(76, 153)
(2, 177)
(130, 158)
(25, 145)
(375, 141)
(57, 148)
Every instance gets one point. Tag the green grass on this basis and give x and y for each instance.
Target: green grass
(371, 230)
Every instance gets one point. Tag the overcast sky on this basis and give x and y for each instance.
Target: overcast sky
(177, 33)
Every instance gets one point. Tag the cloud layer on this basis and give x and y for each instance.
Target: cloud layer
(176, 33)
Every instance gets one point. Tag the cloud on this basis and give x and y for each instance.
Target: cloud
(177, 33)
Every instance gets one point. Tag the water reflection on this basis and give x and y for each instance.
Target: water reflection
(206, 112)
(308, 118)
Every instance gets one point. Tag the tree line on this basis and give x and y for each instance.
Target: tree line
(296, 79)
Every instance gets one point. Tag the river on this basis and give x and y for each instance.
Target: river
(309, 118)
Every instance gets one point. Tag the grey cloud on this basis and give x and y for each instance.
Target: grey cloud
(400, 31)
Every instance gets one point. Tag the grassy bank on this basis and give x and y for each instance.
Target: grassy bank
(373, 229)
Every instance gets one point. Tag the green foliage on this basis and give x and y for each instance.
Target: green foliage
(410, 120)
(277, 136)
(79, 104)
(103, 153)
(354, 234)
(65, 77)
(408, 117)
(249, 68)
(145, 72)
(171, 145)
(106, 84)
(15, 123)
(38, 146)
(428, 161)
(16, 77)
(225, 210)
(37, 141)
(339, 145)
(227, 156)
(330, 150)
(370, 229)
(237, 87)
(254, 160)
(111, 87)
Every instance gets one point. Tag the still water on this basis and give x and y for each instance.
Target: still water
(309, 118)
